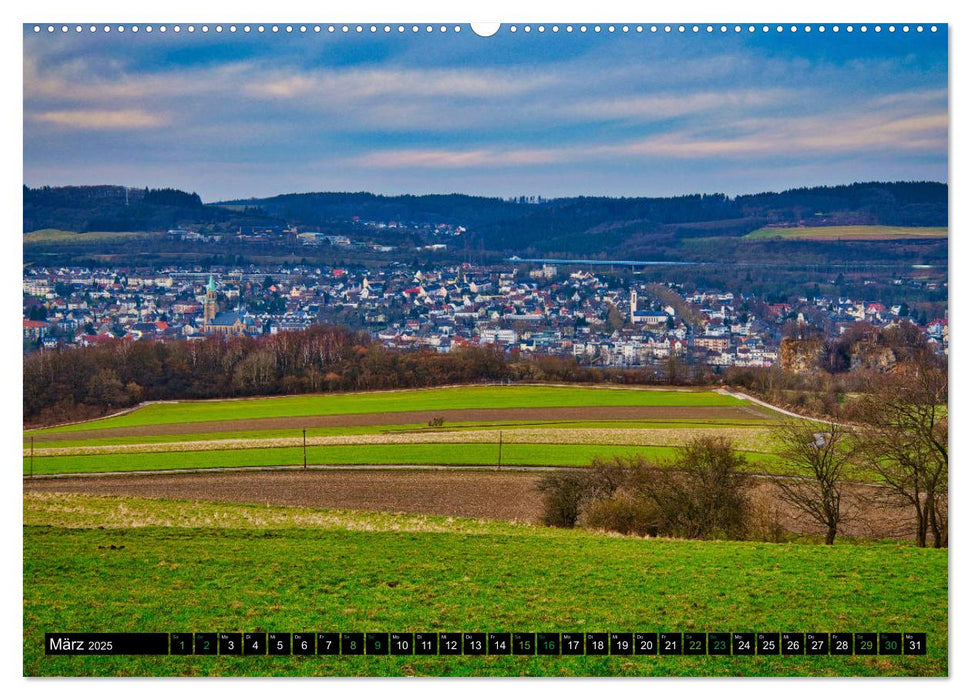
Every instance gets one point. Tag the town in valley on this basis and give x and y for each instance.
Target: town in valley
(599, 314)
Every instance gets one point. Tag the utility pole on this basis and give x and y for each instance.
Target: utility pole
(499, 464)
(304, 448)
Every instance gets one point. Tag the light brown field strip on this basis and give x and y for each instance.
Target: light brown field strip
(590, 413)
(494, 495)
(470, 493)
(748, 439)
(81, 510)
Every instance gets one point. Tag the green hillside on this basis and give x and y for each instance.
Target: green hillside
(849, 233)
(471, 397)
(109, 564)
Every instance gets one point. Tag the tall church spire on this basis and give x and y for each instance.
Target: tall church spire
(209, 307)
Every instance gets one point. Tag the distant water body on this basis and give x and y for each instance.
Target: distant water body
(639, 263)
(685, 263)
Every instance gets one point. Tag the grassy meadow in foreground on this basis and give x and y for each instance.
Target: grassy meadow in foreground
(111, 564)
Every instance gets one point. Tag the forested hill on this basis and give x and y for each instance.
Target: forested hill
(117, 208)
(629, 225)
(892, 203)
(318, 208)
(578, 224)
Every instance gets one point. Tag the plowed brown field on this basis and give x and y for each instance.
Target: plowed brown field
(474, 494)
(471, 493)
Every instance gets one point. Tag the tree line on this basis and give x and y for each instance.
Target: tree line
(899, 442)
(68, 384)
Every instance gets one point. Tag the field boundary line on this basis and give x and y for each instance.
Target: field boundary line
(298, 468)
(765, 476)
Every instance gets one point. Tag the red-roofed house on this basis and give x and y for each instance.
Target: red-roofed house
(35, 330)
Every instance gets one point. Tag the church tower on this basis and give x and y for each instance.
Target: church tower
(209, 307)
(633, 304)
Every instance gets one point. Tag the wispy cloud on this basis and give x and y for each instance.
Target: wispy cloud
(665, 106)
(123, 119)
(825, 134)
(623, 112)
(444, 158)
(390, 83)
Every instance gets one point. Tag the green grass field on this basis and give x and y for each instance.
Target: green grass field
(414, 444)
(53, 235)
(849, 233)
(111, 564)
(482, 454)
(401, 429)
(396, 401)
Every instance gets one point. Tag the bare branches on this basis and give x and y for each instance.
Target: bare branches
(703, 494)
(817, 458)
(905, 440)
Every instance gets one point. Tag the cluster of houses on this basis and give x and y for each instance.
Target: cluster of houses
(307, 237)
(542, 310)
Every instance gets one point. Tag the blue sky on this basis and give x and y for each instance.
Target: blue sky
(235, 115)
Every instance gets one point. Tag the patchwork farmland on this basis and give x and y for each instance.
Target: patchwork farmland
(413, 517)
(462, 426)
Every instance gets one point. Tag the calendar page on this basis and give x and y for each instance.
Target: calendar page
(518, 349)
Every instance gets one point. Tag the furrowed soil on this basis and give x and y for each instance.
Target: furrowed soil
(494, 495)
(563, 413)
(509, 496)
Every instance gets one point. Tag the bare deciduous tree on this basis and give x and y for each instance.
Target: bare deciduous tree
(817, 458)
(905, 440)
